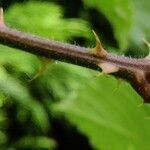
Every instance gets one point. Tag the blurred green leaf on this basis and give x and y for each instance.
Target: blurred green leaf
(14, 88)
(3, 138)
(119, 13)
(106, 114)
(62, 79)
(28, 64)
(34, 143)
(141, 20)
(46, 19)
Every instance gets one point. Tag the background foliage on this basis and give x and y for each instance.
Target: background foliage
(66, 106)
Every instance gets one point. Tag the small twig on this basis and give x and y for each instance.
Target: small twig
(137, 70)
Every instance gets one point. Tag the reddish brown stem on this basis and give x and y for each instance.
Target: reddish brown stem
(138, 69)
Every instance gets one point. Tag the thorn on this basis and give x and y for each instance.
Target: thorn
(43, 68)
(1, 18)
(148, 44)
(108, 68)
(119, 82)
(98, 50)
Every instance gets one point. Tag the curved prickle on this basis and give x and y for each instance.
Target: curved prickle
(2, 24)
(98, 50)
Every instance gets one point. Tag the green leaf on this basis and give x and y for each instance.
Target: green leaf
(13, 88)
(46, 19)
(40, 142)
(62, 79)
(141, 21)
(119, 13)
(28, 64)
(140, 29)
(111, 116)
